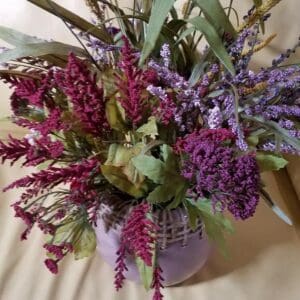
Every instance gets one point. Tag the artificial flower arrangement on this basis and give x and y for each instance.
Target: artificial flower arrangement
(140, 114)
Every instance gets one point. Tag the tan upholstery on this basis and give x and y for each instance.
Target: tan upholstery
(265, 252)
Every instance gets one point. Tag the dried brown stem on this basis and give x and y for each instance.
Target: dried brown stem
(260, 46)
(96, 10)
(259, 13)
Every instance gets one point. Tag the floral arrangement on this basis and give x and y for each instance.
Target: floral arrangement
(140, 113)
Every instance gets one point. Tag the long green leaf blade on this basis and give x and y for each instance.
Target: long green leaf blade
(215, 14)
(276, 209)
(40, 49)
(123, 20)
(73, 19)
(17, 38)
(146, 273)
(197, 72)
(216, 225)
(159, 12)
(276, 129)
(214, 41)
(184, 34)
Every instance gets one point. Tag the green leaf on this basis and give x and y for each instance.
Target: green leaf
(184, 34)
(161, 194)
(253, 140)
(175, 25)
(216, 93)
(119, 155)
(79, 233)
(192, 214)
(73, 19)
(284, 134)
(197, 72)
(214, 41)
(270, 162)
(166, 192)
(174, 187)
(149, 129)
(276, 129)
(180, 193)
(183, 56)
(64, 231)
(124, 23)
(215, 14)
(115, 115)
(173, 178)
(215, 223)
(151, 167)
(86, 243)
(116, 177)
(276, 209)
(146, 273)
(159, 13)
(134, 175)
(169, 158)
(17, 38)
(166, 152)
(40, 49)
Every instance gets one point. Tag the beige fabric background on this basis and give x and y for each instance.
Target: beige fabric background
(265, 253)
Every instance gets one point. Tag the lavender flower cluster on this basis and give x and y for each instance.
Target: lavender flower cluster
(231, 180)
(222, 99)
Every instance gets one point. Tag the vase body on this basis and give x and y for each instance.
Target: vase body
(181, 253)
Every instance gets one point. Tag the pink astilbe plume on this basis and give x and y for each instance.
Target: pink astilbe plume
(59, 252)
(33, 92)
(51, 264)
(157, 284)
(87, 98)
(138, 234)
(82, 192)
(28, 218)
(28, 89)
(138, 238)
(120, 268)
(14, 149)
(166, 110)
(52, 123)
(53, 176)
(131, 83)
(38, 186)
(43, 149)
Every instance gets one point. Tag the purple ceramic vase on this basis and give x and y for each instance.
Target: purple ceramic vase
(181, 253)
